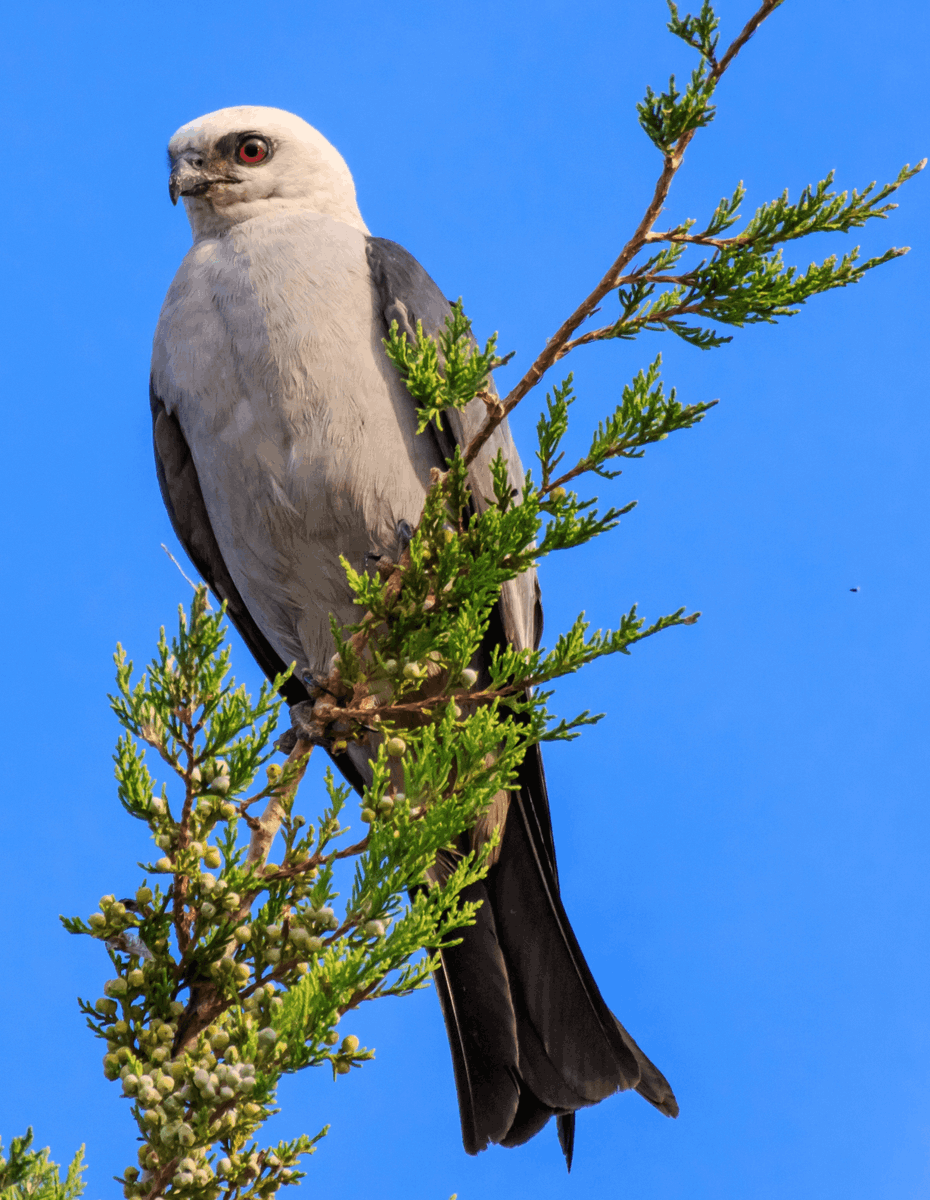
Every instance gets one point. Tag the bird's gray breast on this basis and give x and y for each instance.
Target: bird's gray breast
(269, 351)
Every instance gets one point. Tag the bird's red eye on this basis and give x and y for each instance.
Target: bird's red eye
(253, 151)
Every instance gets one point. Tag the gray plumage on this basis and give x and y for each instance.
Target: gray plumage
(284, 438)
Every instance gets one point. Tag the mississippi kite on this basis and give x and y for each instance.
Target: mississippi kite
(285, 438)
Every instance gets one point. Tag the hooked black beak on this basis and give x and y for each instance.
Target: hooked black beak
(188, 179)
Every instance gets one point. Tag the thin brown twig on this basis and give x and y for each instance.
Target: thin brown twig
(608, 331)
(206, 1002)
(748, 30)
(560, 343)
(158, 1180)
(183, 920)
(267, 825)
(682, 280)
(697, 239)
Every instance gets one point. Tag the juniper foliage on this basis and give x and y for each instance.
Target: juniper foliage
(230, 970)
(27, 1174)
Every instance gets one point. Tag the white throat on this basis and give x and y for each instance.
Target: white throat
(209, 219)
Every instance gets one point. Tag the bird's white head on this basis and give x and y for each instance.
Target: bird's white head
(239, 163)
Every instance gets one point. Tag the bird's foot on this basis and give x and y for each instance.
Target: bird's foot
(314, 721)
(382, 563)
(315, 685)
(305, 722)
(287, 742)
(404, 532)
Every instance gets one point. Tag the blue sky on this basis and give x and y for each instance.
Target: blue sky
(744, 842)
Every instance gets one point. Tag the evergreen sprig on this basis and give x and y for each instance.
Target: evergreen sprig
(645, 415)
(231, 970)
(443, 373)
(666, 117)
(27, 1174)
(746, 281)
(700, 32)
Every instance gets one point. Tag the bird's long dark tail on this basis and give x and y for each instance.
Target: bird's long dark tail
(530, 1033)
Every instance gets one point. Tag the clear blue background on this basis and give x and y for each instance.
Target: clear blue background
(744, 840)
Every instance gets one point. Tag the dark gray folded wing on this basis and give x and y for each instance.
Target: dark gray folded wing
(529, 1030)
(406, 294)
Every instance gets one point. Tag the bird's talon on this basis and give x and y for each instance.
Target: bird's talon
(404, 531)
(286, 742)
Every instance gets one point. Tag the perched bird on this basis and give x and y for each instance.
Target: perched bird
(284, 438)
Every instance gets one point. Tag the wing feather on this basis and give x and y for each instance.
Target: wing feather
(520, 968)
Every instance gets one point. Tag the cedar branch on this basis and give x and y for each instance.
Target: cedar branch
(560, 343)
